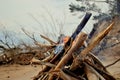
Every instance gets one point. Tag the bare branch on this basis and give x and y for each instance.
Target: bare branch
(2, 47)
(5, 43)
(96, 40)
(44, 45)
(113, 63)
(49, 40)
(28, 34)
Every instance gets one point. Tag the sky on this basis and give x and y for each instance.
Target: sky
(40, 16)
(18, 11)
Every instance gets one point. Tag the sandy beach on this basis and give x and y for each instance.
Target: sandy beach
(27, 72)
(18, 72)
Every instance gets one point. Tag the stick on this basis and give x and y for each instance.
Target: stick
(97, 61)
(112, 63)
(65, 76)
(96, 40)
(73, 36)
(49, 40)
(105, 74)
(92, 74)
(86, 51)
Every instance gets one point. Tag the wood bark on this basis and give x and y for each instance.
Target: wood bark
(105, 74)
(94, 69)
(79, 42)
(96, 40)
(92, 74)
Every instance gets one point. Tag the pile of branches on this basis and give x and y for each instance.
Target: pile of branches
(72, 64)
(22, 53)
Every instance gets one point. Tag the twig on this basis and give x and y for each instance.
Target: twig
(49, 40)
(113, 63)
(32, 37)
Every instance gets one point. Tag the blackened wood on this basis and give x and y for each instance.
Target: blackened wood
(81, 25)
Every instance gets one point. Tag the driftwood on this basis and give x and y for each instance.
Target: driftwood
(96, 40)
(90, 72)
(65, 76)
(67, 46)
(36, 61)
(82, 66)
(79, 42)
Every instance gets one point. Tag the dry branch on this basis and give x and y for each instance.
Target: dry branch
(28, 34)
(97, 61)
(82, 66)
(2, 47)
(36, 61)
(49, 40)
(105, 74)
(92, 74)
(113, 63)
(96, 40)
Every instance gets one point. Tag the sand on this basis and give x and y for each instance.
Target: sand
(18, 72)
(27, 72)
